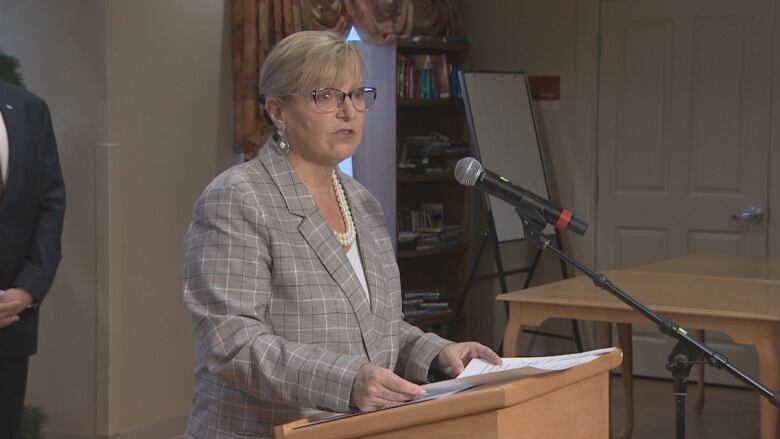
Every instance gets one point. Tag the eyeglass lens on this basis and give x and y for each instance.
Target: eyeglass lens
(330, 99)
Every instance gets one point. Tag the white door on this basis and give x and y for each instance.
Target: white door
(683, 139)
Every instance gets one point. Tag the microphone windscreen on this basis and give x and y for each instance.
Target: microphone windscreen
(467, 171)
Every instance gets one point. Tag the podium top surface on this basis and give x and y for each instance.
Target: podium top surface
(480, 399)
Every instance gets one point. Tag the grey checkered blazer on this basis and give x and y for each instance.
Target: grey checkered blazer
(282, 324)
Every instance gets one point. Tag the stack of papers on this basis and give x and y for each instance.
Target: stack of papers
(480, 371)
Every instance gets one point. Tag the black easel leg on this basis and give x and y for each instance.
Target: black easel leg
(499, 261)
(532, 269)
(472, 273)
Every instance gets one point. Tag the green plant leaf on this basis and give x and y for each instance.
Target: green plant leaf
(33, 420)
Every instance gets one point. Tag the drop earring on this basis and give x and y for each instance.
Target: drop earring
(282, 141)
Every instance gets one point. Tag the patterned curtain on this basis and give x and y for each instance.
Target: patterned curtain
(259, 24)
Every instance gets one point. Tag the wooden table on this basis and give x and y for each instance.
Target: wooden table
(738, 296)
(755, 269)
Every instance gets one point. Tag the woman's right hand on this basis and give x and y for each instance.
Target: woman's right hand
(376, 388)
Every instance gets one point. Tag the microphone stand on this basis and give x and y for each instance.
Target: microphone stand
(687, 350)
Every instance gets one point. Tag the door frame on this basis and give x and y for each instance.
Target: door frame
(586, 125)
(773, 227)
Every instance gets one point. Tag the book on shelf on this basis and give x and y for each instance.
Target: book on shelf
(454, 77)
(430, 154)
(435, 294)
(424, 303)
(427, 242)
(424, 313)
(434, 215)
(441, 76)
(426, 231)
(426, 76)
(407, 240)
(434, 305)
(412, 313)
(429, 216)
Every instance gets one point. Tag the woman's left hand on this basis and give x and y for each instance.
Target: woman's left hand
(454, 357)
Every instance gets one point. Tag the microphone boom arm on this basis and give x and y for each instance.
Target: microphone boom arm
(665, 325)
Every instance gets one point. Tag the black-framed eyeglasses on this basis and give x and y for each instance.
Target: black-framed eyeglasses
(331, 99)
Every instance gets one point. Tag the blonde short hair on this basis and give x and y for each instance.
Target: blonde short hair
(307, 60)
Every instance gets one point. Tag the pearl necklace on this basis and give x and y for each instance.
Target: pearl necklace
(347, 238)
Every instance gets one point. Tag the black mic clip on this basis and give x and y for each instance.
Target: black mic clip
(534, 223)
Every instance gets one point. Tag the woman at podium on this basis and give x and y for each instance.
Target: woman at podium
(290, 276)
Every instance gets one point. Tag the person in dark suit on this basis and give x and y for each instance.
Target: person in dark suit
(32, 207)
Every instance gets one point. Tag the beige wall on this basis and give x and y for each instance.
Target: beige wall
(539, 38)
(169, 109)
(154, 79)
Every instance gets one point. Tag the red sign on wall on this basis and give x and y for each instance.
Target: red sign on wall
(545, 88)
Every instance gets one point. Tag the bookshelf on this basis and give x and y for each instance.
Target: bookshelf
(432, 208)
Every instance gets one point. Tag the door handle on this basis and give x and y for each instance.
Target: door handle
(752, 215)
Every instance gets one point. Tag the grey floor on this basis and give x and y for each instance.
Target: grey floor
(728, 412)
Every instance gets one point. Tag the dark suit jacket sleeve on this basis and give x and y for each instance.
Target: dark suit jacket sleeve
(37, 273)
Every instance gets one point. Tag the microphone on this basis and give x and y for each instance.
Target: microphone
(469, 172)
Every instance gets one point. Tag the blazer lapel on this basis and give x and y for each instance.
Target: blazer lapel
(369, 251)
(318, 234)
(13, 126)
(367, 243)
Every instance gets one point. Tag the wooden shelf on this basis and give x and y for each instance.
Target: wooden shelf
(408, 254)
(431, 45)
(432, 320)
(425, 178)
(433, 102)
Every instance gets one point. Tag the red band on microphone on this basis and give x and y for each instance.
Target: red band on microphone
(564, 219)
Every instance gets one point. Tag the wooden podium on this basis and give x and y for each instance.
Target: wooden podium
(569, 404)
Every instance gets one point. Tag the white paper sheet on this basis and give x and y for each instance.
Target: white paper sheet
(480, 371)
(479, 366)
